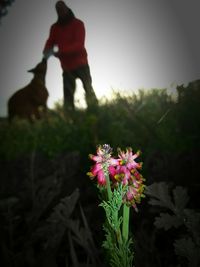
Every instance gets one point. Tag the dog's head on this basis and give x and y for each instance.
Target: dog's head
(40, 68)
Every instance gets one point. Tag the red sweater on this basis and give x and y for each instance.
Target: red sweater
(70, 39)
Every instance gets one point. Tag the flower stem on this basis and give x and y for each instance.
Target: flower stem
(125, 226)
(108, 186)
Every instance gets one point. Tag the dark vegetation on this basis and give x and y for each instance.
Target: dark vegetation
(49, 214)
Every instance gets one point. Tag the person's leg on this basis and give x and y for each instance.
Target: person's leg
(83, 73)
(69, 86)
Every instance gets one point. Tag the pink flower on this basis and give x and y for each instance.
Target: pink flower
(131, 193)
(104, 156)
(104, 164)
(127, 173)
(128, 159)
(121, 174)
(101, 177)
(135, 190)
(126, 164)
(122, 170)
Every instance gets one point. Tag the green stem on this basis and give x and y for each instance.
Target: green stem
(125, 226)
(108, 186)
(109, 192)
(118, 231)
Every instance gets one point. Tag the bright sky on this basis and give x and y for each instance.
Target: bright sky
(131, 44)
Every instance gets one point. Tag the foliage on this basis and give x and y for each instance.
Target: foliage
(49, 234)
(33, 232)
(164, 127)
(147, 120)
(187, 245)
(119, 251)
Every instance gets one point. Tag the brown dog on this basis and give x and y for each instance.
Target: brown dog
(31, 101)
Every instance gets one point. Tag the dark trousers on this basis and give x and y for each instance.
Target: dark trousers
(69, 86)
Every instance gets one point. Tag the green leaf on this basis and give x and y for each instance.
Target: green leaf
(65, 208)
(167, 221)
(57, 223)
(160, 194)
(192, 222)
(181, 198)
(186, 248)
(112, 208)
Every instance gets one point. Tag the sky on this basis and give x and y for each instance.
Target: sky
(131, 45)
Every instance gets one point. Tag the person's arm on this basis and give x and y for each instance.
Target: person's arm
(48, 48)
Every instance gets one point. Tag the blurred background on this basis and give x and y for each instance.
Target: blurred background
(131, 45)
(144, 58)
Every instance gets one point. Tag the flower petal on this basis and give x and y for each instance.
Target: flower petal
(101, 178)
(96, 168)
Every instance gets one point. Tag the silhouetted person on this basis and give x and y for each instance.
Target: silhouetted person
(67, 34)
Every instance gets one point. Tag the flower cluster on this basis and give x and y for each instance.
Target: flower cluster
(104, 164)
(123, 170)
